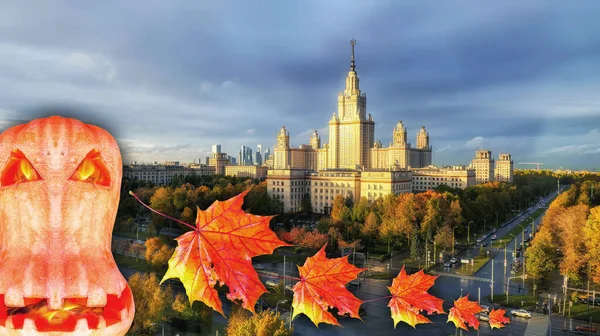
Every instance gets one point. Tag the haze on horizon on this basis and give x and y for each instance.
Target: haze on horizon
(169, 80)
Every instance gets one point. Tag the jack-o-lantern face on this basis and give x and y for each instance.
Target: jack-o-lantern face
(59, 192)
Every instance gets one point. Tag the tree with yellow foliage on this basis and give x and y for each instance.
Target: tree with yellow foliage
(265, 323)
(151, 303)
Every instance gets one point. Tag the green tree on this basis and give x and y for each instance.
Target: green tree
(151, 303)
(540, 257)
(360, 210)
(306, 206)
(265, 323)
(198, 312)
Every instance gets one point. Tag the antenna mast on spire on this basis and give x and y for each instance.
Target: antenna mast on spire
(352, 65)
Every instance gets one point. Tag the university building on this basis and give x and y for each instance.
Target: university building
(351, 163)
(164, 174)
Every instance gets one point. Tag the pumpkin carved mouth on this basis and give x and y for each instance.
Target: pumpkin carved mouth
(74, 315)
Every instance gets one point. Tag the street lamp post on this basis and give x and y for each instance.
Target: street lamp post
(497, 224)
(453, 242)
(469, 232)
(137, 236)
(515, 242)
(484, 223)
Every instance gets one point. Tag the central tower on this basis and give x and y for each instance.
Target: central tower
(351, 132)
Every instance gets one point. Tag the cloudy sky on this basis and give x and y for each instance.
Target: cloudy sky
(170, 78)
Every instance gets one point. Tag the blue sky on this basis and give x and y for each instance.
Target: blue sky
(170, 78)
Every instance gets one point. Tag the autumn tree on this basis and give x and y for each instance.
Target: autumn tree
(188, 215)
(339, 210)
(152, 245)
(592, 243)
(161, 201)
(443, 237)
(371, 225)
(540, 257)
(198, 312)
(571, 221)
(265, 323)
(136, 250)
(151, 303)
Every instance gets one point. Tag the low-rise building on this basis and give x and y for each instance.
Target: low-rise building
(455, 177)
(255, 172)
(164, 174)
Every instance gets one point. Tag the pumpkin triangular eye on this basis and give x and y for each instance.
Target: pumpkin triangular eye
(18, 169)
(92, 169)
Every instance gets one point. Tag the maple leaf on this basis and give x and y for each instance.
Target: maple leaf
(410, 297)
(220, 250)
(464, 312)
(497, 318)
(322, 286)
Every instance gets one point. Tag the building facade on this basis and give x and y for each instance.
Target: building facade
(504, 168)
(255, 172)
(219, 161)
(352, 142)
(483, 163)
(292, 185)
(424, 179)
(164, 174)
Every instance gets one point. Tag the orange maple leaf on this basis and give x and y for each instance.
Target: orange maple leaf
(410, 297)
(220, 249)
(323, 285)
(497, 318)
(464, 312)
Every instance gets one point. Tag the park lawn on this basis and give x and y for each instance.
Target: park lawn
(579, 311)
(139, 264)
(478, 263)
(514, 301)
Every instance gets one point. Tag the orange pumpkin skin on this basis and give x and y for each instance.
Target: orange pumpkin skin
(55, 231)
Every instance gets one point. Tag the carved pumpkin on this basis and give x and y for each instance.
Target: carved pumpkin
(59, 192)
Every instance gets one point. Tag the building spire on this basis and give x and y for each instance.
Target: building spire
(352, 65)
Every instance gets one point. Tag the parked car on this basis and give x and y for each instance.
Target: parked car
(479, 240)
(259, 267)
(482, 317)
(585, 327)
(447, 264)
(521, 313)
(453, 260)
(486, 309)
(494, 237)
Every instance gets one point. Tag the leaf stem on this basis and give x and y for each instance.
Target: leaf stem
(160, 213)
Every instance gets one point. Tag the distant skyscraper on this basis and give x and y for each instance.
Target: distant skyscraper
(216, 149)
(258, 160)
(245, 156)
(206, 159)
(266, 156)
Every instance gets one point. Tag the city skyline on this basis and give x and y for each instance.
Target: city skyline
(516, 78)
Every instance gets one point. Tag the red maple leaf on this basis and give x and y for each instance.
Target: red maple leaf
(322, 286)
(220, 249)
(410, 297)
(497, 318)
(464, 312)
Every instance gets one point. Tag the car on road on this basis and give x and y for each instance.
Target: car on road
(494, 230)
(494, 237)
(479, 240)
(355, 283)
(486, 309)
(270, 283)
(448, 264)
(259, 267)
(453, 260)
(482, 316)
(585, 327)
(484, 244)
(521, 313)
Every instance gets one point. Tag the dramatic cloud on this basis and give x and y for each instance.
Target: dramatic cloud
(169, 80)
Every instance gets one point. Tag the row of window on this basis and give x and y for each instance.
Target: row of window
(451, 179)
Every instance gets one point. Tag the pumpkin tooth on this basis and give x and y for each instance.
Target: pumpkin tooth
(96, 298)
(9, 323)
(101, 323)
(12, 298)
(82, 325)
(29, 325)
